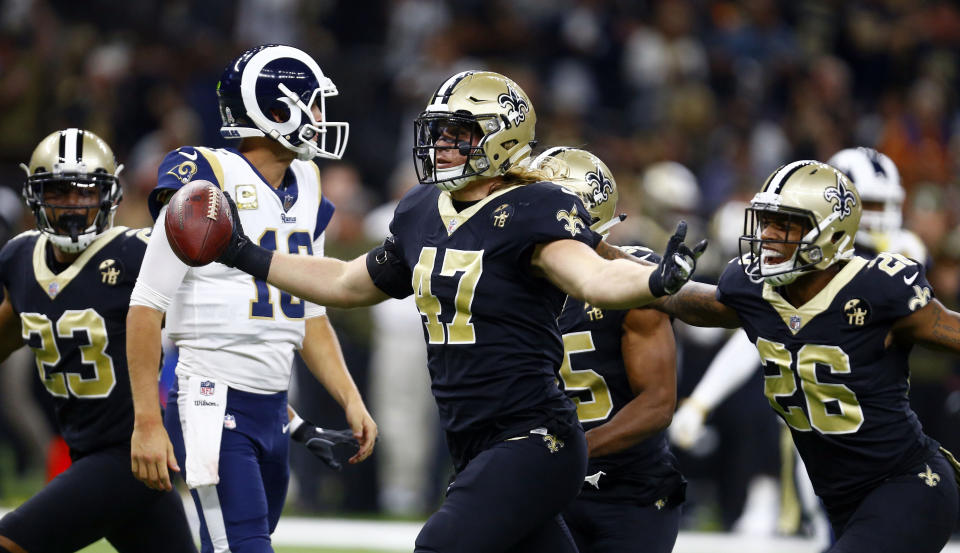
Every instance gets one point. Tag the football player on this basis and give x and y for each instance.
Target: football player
(877, 180)
(620, 370)
(833, 332)
(489, 253)
(227, 417)
(66, 289)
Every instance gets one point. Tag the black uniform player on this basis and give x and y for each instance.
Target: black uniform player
(67, 290)
(489, 253)
(834, 332)
(619, 368)
(492, 355)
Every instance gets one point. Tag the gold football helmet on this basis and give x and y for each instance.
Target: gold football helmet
(72, 188)
(810, 196)
(477, 124)
(585, 175)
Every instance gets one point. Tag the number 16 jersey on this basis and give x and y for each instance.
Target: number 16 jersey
(228, 325)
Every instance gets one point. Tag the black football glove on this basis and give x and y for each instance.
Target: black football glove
(320, 442)
(676, 265)
(241, 252)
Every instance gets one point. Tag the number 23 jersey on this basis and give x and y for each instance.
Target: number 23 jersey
(75, 323)
(829, 375)
(493, 345)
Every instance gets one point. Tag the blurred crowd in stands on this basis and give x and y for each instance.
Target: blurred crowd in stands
(690, 102)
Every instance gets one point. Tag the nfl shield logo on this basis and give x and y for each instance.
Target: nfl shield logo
(794, 322)
(229, 421)
(53, 289)
(206, 388)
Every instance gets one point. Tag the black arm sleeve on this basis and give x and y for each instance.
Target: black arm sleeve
(388, 271)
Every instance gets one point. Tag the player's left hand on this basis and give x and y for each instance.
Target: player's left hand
(243, 253)
(364, 430)
(320, 442)
(677, 263)
(238, 238)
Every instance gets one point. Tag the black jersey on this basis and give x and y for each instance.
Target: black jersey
(594, 376)
(828, 375)
(75, 322)
(493, 344)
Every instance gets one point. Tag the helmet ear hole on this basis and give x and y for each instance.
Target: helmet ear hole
(836, 236)
(280, 114)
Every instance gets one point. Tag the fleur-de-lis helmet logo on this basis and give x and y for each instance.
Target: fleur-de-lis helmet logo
(600, 185)
(844, 197)
(517, 106)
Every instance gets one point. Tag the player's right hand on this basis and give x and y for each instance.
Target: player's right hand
(151, 456)
(687, 427)
(677, 263)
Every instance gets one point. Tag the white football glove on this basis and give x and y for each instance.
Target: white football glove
(687, 427)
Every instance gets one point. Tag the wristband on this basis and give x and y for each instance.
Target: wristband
(655, 283)
(254, 260)
(295, 423)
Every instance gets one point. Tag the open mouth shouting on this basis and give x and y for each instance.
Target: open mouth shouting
(770, 256)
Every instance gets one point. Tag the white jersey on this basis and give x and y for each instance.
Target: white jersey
(228, 325)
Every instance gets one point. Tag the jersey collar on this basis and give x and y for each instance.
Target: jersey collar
(53, 283)
(797, 317)
(452, 219)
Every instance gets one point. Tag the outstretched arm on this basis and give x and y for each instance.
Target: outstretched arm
(696, 304)
(582, 273)
(932, 325)
(650, 357)
(577, 270)
(324, 280)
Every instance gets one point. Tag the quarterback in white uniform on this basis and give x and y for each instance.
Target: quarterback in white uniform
(227, 422)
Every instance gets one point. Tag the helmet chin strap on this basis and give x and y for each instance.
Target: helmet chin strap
(452, 178)
(779, 274)
(68, 244)
(79, 237)
(782, 279)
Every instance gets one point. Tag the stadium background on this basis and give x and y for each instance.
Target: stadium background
(727, 90)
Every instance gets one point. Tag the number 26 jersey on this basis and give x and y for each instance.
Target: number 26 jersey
(829, 375)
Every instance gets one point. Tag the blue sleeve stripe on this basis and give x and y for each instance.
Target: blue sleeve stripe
(324, 214)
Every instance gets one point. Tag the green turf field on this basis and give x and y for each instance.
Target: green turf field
(103, 547)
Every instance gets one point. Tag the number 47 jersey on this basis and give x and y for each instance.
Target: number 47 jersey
(828, 373)
(227, 324)
(490, 323)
